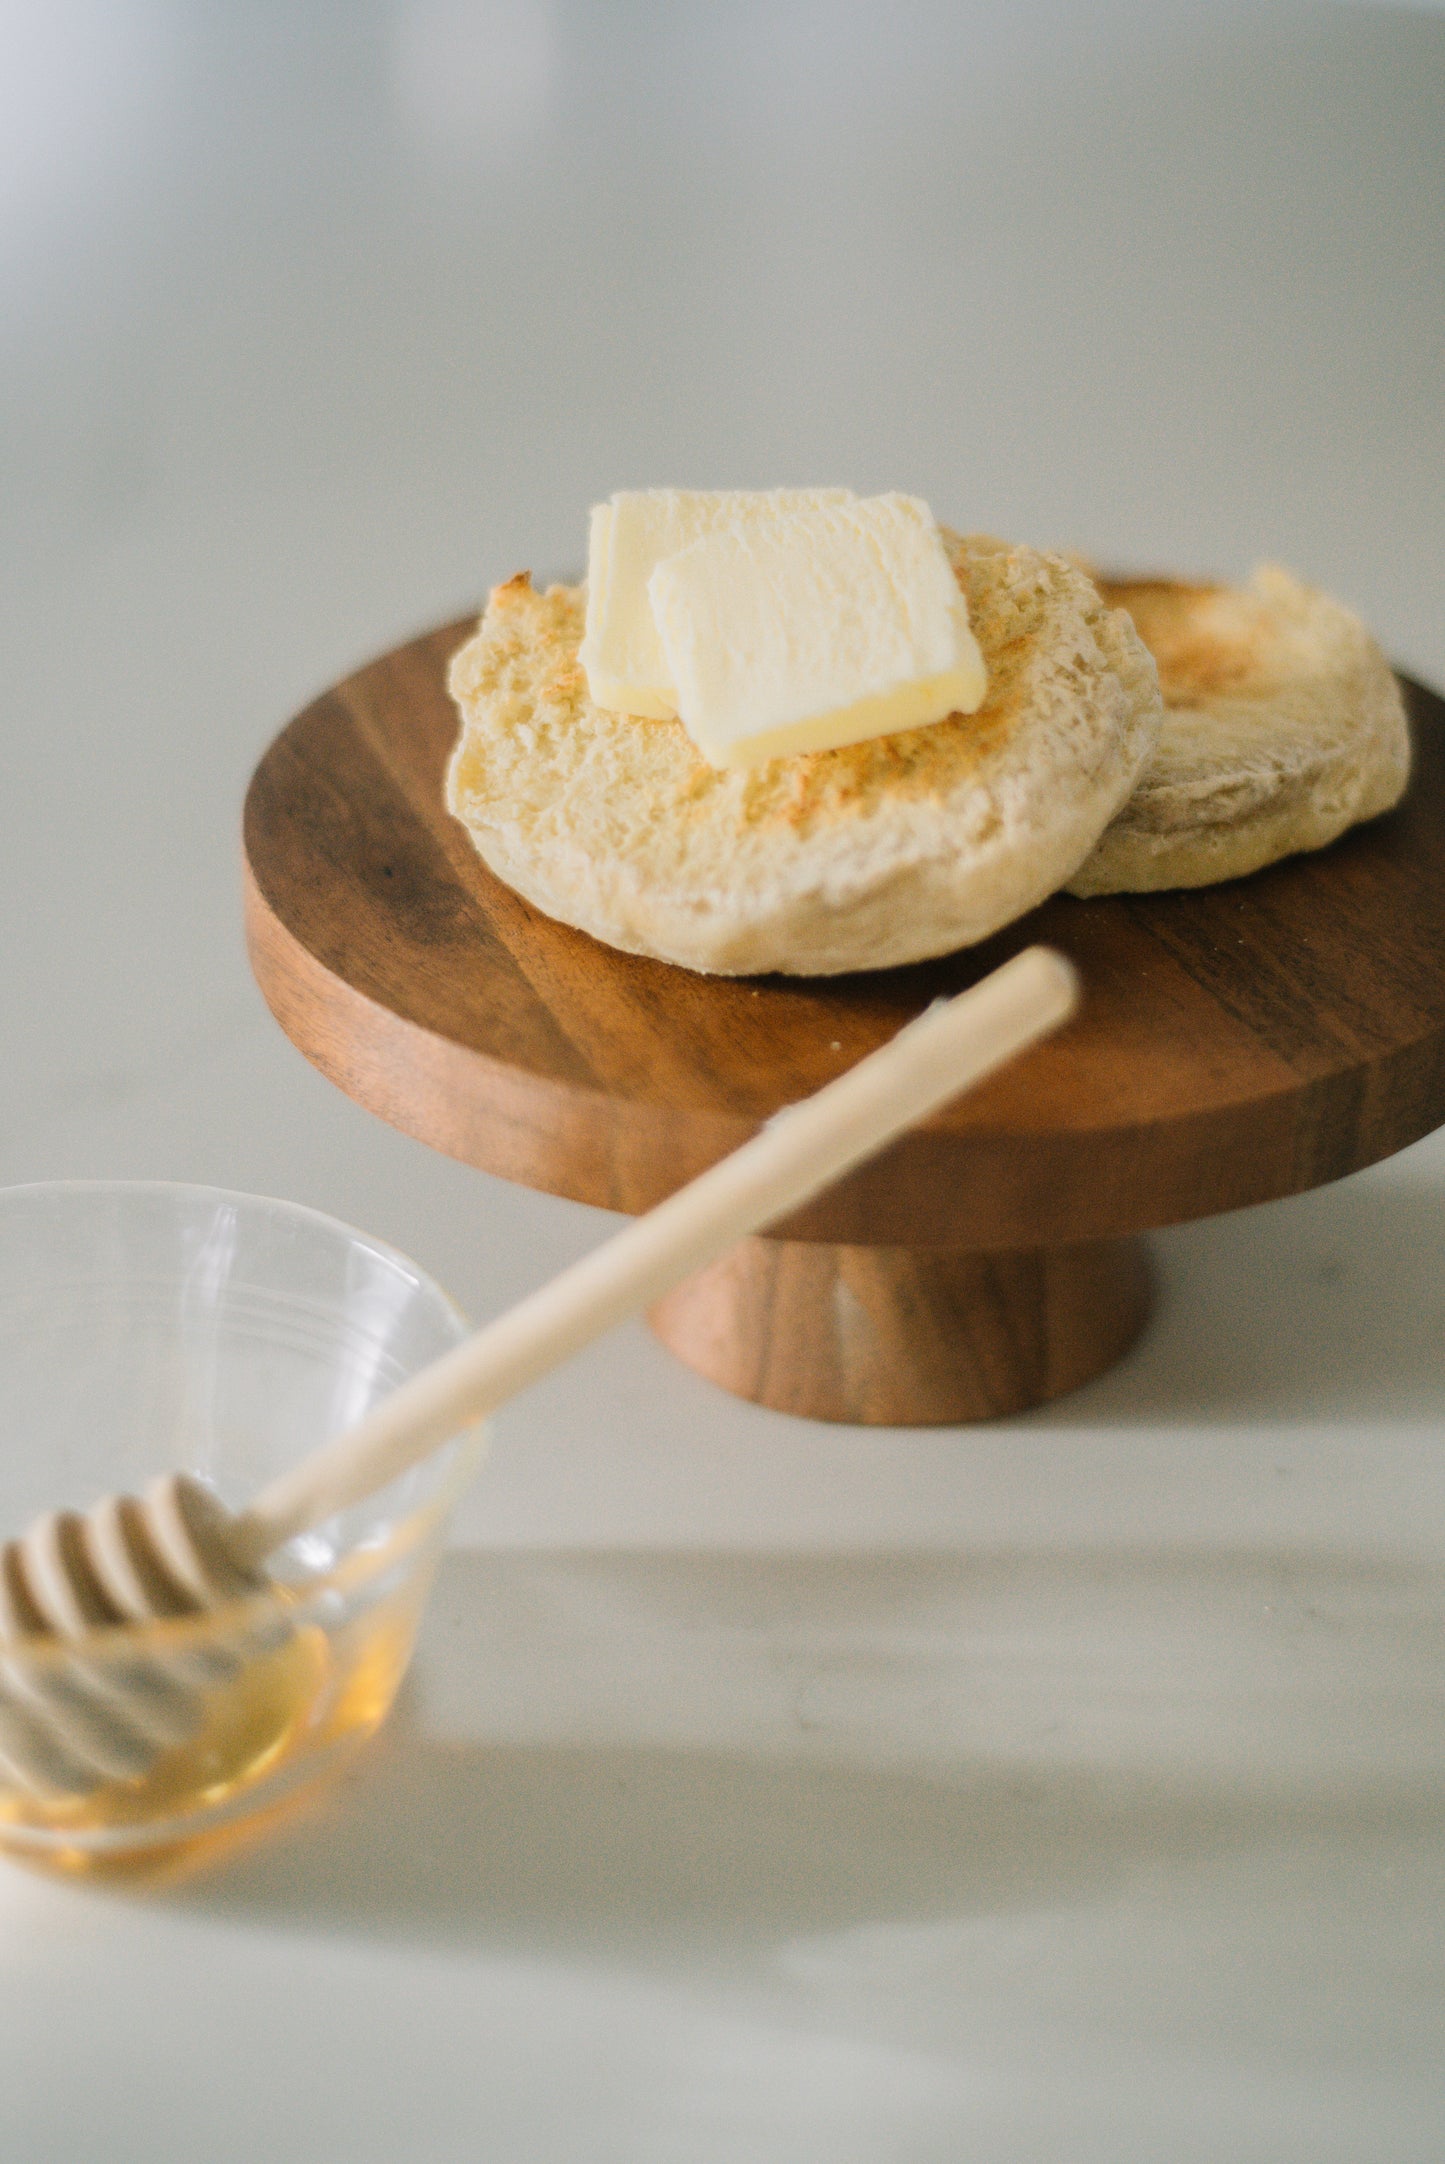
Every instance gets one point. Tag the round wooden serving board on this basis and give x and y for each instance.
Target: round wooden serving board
(1235, 1043)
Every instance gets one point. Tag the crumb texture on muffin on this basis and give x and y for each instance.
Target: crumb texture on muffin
(1283, 726)
(880, 853)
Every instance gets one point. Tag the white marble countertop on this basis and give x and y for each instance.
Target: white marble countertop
(1070, 1788)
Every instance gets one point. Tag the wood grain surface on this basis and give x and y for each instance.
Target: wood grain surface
(1235, 1042)
(907, 1336)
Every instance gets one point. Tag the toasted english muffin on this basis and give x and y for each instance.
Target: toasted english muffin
(1283, 725)
(883, 852)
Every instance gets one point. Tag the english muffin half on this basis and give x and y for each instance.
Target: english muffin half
(883, 852)
(1283, 725)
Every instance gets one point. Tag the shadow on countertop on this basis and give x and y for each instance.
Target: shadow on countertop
(632, 1755)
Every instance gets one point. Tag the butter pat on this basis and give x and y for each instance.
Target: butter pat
(838, 621)
(621, 652)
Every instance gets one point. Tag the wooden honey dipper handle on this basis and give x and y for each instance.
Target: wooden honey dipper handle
(800, 1151)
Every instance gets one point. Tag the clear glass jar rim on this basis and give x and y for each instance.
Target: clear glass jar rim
(302, 1212)
(119, 1639)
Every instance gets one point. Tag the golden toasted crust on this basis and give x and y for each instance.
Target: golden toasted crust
(878, 853)
(1283, 726)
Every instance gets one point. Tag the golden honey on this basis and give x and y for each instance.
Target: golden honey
(300, 1701)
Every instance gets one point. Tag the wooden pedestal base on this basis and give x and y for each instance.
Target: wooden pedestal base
(907, 1336)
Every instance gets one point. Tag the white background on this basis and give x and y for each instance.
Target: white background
(1070, 1788)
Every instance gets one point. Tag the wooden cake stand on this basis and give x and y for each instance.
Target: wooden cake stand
(1235, 1043)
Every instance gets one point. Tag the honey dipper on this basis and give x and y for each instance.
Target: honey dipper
(67, 1725)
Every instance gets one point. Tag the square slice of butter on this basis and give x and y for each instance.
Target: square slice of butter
(839, 622)
(629, 537)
